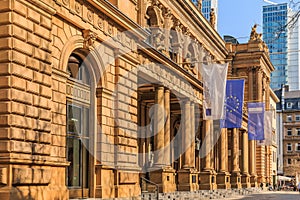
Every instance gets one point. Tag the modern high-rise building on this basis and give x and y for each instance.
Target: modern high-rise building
(275, 17)
(293, 54)
(283, 43)
(207, 5)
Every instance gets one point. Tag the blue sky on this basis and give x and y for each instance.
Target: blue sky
(236, 17)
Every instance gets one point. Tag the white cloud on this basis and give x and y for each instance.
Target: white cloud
(270, 2)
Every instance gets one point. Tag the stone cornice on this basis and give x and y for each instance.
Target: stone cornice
(111, 11)
(42, 5)
(101, 15)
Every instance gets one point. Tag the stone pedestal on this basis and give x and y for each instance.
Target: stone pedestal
(188, 180)
(165, 178)
(253, 181)
(246, 181)
(235, 180)
(207, 180)
(223, 180)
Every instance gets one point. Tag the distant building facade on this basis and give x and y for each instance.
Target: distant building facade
(288, 126)
(273, 148)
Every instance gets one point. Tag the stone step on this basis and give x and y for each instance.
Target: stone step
(200, 194)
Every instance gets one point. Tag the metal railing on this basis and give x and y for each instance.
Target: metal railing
(145, 188)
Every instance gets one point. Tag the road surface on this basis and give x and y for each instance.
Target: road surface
(271, 195)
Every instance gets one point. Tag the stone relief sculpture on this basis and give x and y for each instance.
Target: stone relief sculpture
(158, 41)
(89, 39)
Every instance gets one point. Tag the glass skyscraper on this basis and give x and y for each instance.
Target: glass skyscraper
(293, 54)
(275, 17)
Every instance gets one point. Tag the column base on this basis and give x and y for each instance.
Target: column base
(253, 181)
(235, 180)
(223, 180)
(34, 192)
(188, 179)
(246, 181)
(261, 179)
(165, 178)
(207, 180)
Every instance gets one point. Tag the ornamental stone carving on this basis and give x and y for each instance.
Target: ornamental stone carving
(155, 14)
(89, 39)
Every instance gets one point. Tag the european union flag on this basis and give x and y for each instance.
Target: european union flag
(256, 121)
(234, 104)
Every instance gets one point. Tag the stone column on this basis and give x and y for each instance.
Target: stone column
(208, 175)
(245, 161)
(187, 140)
(206, 140)
(223, 176)
(252, 161)
(159, 126)
(260, 84)
(235, 173)
(163, 174)
(235, 150)
(245, 151)
(167, 132)
(223, 150)
(142, 147)
(188, 176)
(192, 152)
(148, 133)
(189, 136)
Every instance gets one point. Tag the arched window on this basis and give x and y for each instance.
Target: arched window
(78, 69)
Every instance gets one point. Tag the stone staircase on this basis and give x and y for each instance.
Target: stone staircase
(200, 194)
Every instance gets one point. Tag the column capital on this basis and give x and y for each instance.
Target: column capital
(159, 87)
(167, 90)
(185, 100)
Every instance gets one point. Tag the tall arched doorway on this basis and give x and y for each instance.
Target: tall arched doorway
(79, 127)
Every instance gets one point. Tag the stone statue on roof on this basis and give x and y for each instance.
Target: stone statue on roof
(254, 35)
(212, 17)
(199, 5)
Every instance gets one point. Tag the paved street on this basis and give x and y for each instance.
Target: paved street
(272, 195)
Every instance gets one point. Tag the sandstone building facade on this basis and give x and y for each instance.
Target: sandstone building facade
(78, 81)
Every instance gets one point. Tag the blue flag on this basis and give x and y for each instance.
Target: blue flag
(234, 104)
(256, 113)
